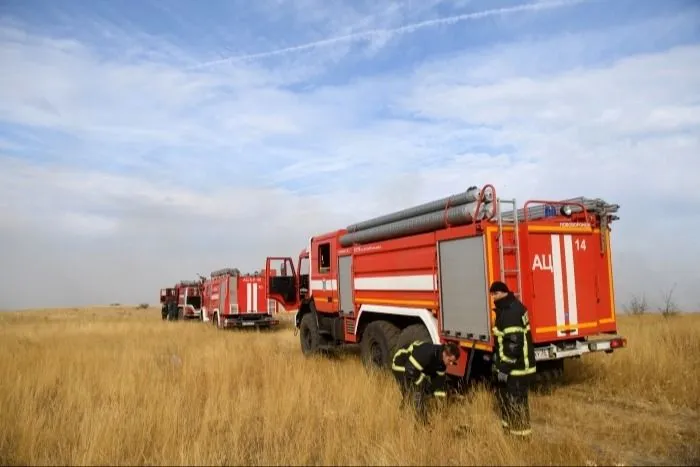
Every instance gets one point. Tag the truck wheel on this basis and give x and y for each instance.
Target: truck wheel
(414, 332)
(309, 337)
(378, 344)
(548, 375)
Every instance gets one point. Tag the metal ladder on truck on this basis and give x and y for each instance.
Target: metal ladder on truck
(514, 246)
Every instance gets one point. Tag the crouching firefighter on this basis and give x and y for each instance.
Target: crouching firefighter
(514, 360)
(419, 370)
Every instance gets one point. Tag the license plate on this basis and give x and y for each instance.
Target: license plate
(541, 354)
(248, 323)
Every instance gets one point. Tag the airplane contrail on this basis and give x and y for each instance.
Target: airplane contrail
(389, 33)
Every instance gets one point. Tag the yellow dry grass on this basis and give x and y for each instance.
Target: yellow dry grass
(119, 386)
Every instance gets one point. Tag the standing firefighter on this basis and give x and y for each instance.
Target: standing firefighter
(514, 360)
(419, 370)
(172, 309)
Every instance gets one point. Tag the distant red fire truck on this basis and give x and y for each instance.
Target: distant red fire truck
(189, 299)
(424, 273)
(233, 299)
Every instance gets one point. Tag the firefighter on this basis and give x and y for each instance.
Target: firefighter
(172, 309)
(514, 360)
(419, 370)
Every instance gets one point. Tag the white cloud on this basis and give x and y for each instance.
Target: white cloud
(269, 166)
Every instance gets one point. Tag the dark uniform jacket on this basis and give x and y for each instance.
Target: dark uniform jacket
(423, 366)
(514, 352)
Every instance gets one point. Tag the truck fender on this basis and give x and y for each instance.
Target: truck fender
(429, 321)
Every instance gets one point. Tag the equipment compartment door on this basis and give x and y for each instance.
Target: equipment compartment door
(233, 295)
(563, 283)
(463, 289)
(222, 297)
(345, 283)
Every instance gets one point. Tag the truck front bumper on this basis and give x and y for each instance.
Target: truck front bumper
(248, 320)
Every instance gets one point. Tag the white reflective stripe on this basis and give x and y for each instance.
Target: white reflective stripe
(558, 282)
(254, 287)
(249, 296)
(323, 284)
(415, 282)
(570, 282)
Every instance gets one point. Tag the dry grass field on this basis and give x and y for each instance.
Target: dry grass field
(118, 386)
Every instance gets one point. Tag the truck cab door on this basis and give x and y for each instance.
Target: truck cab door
(281, 279)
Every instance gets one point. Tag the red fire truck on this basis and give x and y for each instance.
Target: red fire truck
(424, 273)
(233, 299)
(189, 299)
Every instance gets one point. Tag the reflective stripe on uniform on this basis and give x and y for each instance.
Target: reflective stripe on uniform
(439, 394)
(527, 432)
(396, 367)
(415, 363)
(502, 355)
(528, 368)
(399, 352)
(511, 330)
(527, 371)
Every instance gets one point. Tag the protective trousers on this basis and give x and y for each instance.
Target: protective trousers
(172, 312)
(414, 395)
(513, 405)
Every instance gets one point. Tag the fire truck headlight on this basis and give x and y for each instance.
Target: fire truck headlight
(566, 210)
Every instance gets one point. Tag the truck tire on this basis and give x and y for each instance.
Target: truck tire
(309, 337)
(548, 376)
(378, 344)
(414, 332)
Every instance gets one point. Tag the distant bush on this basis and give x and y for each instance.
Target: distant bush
(637, 305)
(142, 306)
(668, 306)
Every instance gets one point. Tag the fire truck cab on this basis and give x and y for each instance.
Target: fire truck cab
(189, 299)
(423, 273)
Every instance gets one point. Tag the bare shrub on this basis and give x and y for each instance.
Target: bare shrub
(637, 305)
(668, 306)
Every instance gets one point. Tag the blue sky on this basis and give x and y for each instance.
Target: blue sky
(241, 128)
